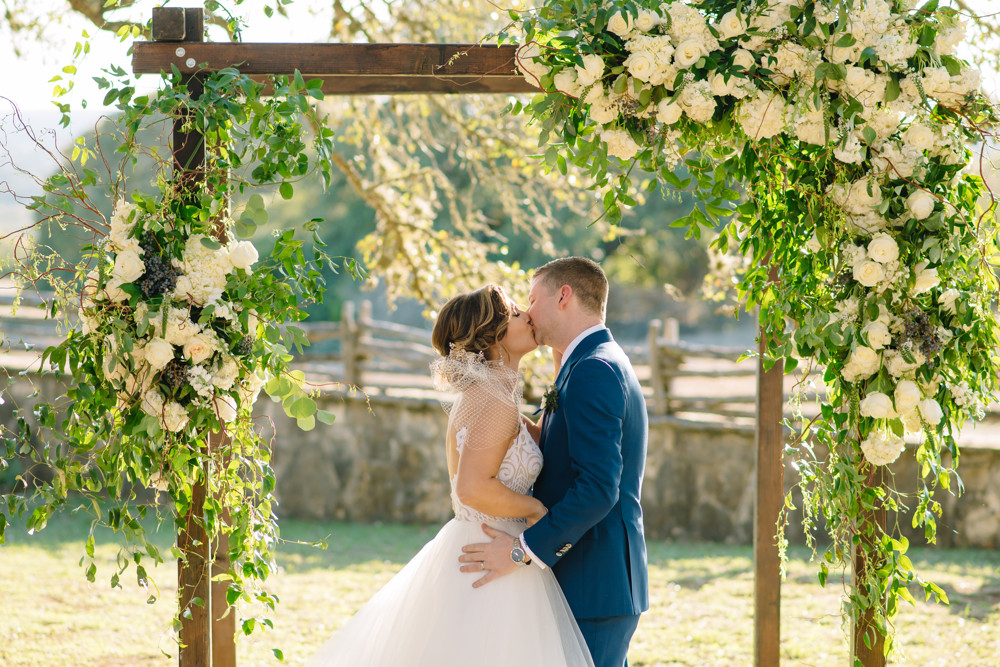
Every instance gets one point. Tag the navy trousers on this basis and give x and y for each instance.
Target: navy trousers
(608, 638)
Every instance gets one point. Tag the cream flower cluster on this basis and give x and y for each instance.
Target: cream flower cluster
(172, 346)
(718, 60)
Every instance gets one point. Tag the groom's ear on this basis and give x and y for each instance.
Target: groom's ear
(565, 294)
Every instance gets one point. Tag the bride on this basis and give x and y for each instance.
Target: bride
(429, 613)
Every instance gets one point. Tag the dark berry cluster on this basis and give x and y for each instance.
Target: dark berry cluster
(843, 280)
(160, 276)
(244, 347)
(175, 374)
(921, 332)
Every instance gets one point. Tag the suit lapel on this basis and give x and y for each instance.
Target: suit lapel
(585, 347)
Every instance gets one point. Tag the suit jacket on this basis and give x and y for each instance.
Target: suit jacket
(594, 447)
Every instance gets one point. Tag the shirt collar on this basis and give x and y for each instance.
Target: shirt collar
(576, 341)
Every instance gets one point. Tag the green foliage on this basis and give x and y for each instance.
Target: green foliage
(130, 420)
(838, 176)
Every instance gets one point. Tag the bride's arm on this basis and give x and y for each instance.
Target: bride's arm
(477, 485)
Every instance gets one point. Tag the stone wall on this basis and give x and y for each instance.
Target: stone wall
(384, 460)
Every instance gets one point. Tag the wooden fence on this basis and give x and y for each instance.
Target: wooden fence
(684, 379)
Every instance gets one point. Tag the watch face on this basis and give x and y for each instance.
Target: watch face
(517, 555)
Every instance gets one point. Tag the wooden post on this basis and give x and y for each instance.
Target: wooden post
(207, 639)
(349, 344)
(769, 465)
(656, 367)
(875, 655)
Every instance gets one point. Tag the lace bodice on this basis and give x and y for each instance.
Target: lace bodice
(518, 471)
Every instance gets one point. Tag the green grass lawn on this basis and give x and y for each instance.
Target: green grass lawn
(702, 602)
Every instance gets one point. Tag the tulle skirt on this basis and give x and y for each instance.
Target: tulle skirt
(430, 615)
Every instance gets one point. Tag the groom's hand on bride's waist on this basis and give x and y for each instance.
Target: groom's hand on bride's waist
(492, 558)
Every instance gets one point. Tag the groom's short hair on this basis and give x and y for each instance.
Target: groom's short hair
(585, 276)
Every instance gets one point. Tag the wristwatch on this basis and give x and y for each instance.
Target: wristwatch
(517, 554)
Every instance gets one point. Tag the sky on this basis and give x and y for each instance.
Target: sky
(26, 79)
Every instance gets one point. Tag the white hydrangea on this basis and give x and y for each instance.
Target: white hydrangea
(895, 48)
(698, 101)
(201, 381)
(531, 69)
(882, 447)
(620, 144)
(226, 375)
(763, 115)
(206, 269)
(179, 327)
(174, 417)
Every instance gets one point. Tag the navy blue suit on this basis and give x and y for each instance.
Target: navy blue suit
(594, 446)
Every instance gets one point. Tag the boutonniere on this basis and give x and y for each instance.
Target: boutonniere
(550, 400)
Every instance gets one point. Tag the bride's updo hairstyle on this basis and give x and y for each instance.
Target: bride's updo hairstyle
(472, 322)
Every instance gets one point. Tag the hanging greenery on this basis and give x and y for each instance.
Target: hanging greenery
(175, 323)
(830, 141)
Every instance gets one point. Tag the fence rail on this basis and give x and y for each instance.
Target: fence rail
(679, 378)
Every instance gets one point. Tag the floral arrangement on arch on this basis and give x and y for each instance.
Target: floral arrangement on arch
(828, 143)
(167, 303)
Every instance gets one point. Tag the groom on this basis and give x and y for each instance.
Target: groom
(593, 438)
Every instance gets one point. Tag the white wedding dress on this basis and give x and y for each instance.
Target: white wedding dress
(429, 615)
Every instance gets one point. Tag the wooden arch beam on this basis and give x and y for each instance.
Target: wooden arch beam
(349, 69)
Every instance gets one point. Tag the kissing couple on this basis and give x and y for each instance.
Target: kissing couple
(544, 564)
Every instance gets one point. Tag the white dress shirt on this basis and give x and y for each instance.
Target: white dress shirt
(565, 357)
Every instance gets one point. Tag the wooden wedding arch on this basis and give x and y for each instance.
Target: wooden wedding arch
(208, 633)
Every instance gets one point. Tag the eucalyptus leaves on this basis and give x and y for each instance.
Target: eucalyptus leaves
(846, 123)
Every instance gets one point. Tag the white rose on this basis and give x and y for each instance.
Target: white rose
(883, 249)
(603, 111)
(907, 396)
(620, 144)
(864, 360)
(868, 273)
(113, 290)
(128, 267)
(198, 348)
(175, 417)
(878, 335)
(743, 58)
(878, 406)
(731, 25)
(620, 24)
(566, 82)
(722, 87)
(225, 408)
(920, 204)
(646, 20)
(668, 112)
(158, 353)
(689, 52)
(183, 287)
(926, 279)
(592, 70)
(931, 411)
(947, 300)
(640, 65)
(920, 137)
(242, 255)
